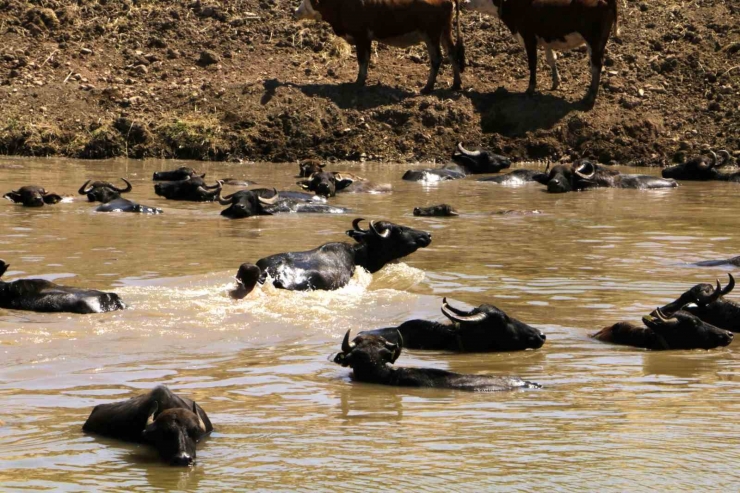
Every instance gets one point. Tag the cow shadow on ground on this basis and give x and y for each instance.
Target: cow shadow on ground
(513, 114)
(344, 95)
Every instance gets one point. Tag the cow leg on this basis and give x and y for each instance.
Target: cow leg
(452, 55)
(435, 60)
(530, 45)
(552, 62)
(363, 59)
(596, 57)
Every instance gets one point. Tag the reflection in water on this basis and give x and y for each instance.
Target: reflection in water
(608, 417)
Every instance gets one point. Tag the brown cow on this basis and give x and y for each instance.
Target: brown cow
(400, 23)
(556, 25)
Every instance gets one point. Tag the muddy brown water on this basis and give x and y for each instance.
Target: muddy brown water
(608, 417)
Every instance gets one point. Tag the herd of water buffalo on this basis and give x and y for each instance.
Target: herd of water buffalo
(701, 318)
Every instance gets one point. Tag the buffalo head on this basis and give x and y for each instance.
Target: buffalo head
(174, 433)
(32, 196)
(384, 242)
(308, 167)
(182, 173)
(681, 330)
(193, 189)
(326, 184)
(247, 203)
(488, 327)
(246, 279)
(699, 168)
(702, 294)
(480, 161)
(368, 352)
(102, 191)
(441, 210)
(580, 175)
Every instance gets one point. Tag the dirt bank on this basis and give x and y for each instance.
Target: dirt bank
(240, 80)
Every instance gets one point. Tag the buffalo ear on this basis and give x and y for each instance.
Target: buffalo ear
(52, 198)
(152, 411)
(203, 175)
(342, 182)
(3, 267)
(356, 235)
(13, 196)
(541, 178)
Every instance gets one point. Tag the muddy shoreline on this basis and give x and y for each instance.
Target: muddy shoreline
(240, 81)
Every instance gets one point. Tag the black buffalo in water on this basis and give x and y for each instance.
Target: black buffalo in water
(182, 173)
(125, 205)
(703, 168)
(371, 356)
(483, 329)
(265, 202)
(516, 177)
(103, 191)
(332, 265)
(33, 196)
(308, 167)
(716, 263)
(169, 423)
(328, 184)
(672, 330)
(585, 175)
(465, 163)
(440, 210)
(708, 303)
(39, 295)
(192, 189)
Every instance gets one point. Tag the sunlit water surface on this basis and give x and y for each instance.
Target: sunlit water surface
(608, 418)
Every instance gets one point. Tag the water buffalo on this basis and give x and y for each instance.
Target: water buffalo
(182, 173)
(332, 265)
(328, 184)
(516, 177)
(309, 166)
(103, 191)
(584, 175)
(169, 423)
(708, 303)
(465, 163)
(125, 205)
(483, 329)
(678, 330)
(716, 263)
(702, 168)
(192, 189)
(371, 356)
(39, 295)
(441, 210)
(265, 202)
(32, 196)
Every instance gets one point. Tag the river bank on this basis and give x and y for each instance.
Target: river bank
(239, 80)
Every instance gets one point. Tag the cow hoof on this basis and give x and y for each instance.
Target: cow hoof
(456, 87)
(426, 90)
(555, 85)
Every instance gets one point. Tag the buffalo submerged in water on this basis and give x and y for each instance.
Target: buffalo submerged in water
(169, 423)
(33, 196)
(39, 295)
(329, 183)
(482, 329)
(193, 189)
(332, 265)
(266, 202)
(110, 196)
(703, 168)
(585, 175)
(708, 304)
(371, 358)
(465, 163)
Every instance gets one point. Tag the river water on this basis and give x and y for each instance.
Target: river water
(608, 418)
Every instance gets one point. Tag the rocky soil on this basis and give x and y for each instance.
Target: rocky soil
(239, 80)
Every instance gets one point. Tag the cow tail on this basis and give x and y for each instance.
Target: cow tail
(459, 46)
(616, 18)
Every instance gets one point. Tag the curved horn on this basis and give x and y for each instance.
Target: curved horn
(660, 315)
(385, 234)
(729, 286)
(465, 151)
(547, 168)
(271, 200)
(399, 346)
(152, 412)
(83, 190)
(123, 190)
(717, 293)
(219, 184)
(453, 309)
(356, 225)
(224, 200)
(201, 424)
(346, 345)
(586, 176)
(714, 158)
(725, 157)
(459, 316)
